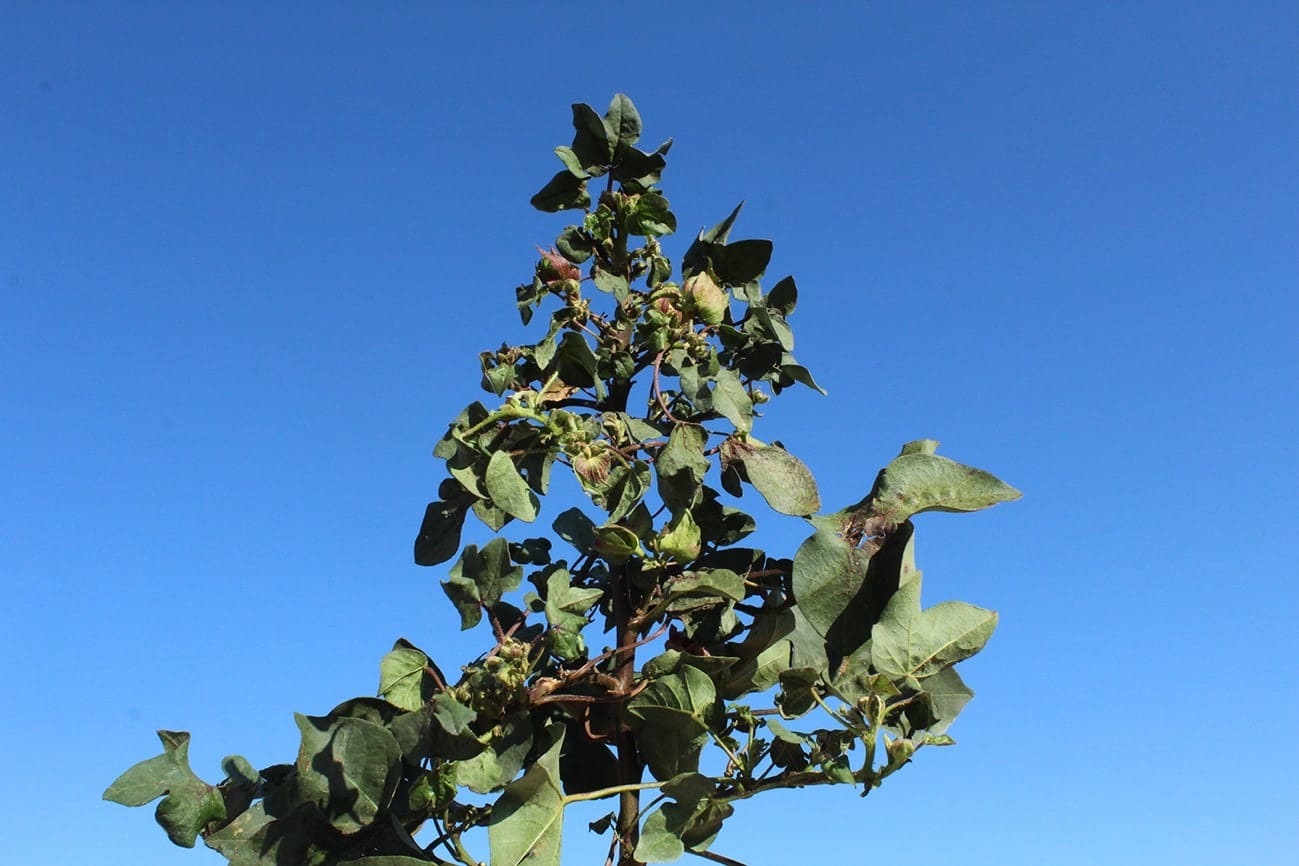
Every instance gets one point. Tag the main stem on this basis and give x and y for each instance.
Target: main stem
(630, 767)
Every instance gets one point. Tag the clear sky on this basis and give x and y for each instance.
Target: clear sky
(249, 251)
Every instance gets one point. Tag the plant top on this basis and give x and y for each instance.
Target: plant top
(639, 652)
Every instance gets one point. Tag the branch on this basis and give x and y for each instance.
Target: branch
(716, 858)
(658, 392)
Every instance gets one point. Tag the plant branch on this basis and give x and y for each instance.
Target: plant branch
(716, 858)
(612, 791)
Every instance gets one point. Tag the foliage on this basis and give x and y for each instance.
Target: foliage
(647, 389)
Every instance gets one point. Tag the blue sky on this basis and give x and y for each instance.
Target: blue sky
(248, 253)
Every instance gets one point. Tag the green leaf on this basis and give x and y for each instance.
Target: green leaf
(479, 579)
(680, 539)
(681, 466)
(909, 642)
(565, 191)
(672, 717)
(689, 821)
(591, 142)
(616, 543)
(741, 262)
(608, 281)
(256, 839)
(711, 582)
(627, 487)
(842, 590)
(651, 216)
(403, 680)
(919, 480)
(571, 162)
(586, 765)
(945, 695)
(575, 362)
(527, 819)
(622, 123)
(189, 804)
(730, 398)
(439, 534)
(508, 489)
(577, 529)
(574, 244)
(783, 297)
(496, 765)
(782, 479)
(349, 767)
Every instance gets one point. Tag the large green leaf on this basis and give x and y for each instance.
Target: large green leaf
(681, 466)
(672, 717)
(508, 490)
(576, 528)
(919, 480)
(189, 804)
(347, 766)
(842, 590)
(741, 262)
(566, 607)
(910, 643)
(527, 820)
